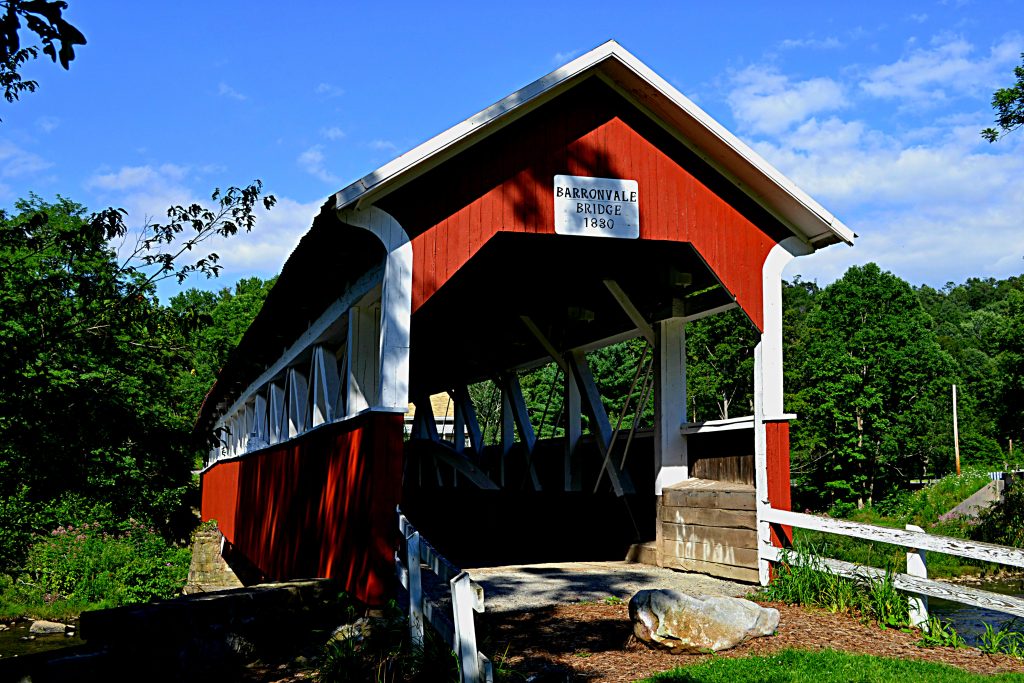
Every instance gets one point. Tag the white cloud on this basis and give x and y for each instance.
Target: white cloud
(830, 43)
(930, 208)
(312, 162)
(918, 18)
(16, 162)
(225, 90)
(383, 146)
(765, 101)
(329, 90)
(931, 202)
(124, 178)
(333, 133)
(272, 241)
(47, 124)
(561, 58)
(946, 69)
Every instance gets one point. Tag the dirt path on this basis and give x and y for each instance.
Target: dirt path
(541, 585)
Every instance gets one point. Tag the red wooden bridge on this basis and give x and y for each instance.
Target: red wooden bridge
(595, 205)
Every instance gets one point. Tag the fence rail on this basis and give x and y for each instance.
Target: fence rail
(916, 541)
(455, 625)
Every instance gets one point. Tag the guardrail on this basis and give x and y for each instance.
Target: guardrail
(458, 628)
(917, 542)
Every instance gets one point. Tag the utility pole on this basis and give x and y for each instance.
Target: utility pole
(956, 434)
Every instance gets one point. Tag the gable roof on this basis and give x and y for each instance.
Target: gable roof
(664, 103)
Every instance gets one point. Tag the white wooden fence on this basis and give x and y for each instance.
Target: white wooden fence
(457, 628)
(917, 542)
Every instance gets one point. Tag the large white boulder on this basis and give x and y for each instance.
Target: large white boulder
(685, 623)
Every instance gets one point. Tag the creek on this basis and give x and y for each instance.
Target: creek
(15, 640)
(970, 621)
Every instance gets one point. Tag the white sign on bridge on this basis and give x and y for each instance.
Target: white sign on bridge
(596, 207)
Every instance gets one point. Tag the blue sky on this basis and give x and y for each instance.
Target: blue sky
(873, 108)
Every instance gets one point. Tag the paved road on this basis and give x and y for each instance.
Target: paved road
(527, 586)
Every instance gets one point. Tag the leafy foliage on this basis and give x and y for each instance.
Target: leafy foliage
(45, 19)
(100, 563)
(1009, 106)
(89, 358)
(872, 386)
(1004, 523)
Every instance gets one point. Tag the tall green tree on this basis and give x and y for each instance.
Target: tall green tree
(216, 322)
(88, 359)
(873, 390)
(720, 366)
(1010, 340)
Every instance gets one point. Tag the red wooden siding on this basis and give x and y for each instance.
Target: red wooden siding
(505, 184)
(778, 477)
(220, 496)
(321, 505)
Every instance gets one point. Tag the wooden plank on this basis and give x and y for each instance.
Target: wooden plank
(447, 454)
(713, 518)
(911, 584)
(706, 552)
(630, 309)
(986, 552)
(600, 426)
(694, 484)
(718, 500)
(736, 538)
(439, 619)
(729, 468)
(723, 571)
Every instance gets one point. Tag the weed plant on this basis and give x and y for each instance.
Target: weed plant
(801, 579)
(939, 633)
(1007, 640)
(385, 654)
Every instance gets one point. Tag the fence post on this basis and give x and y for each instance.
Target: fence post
(465, 631)
(412, 562)
(917, 565)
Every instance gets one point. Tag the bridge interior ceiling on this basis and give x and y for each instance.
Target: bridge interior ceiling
(473, 327)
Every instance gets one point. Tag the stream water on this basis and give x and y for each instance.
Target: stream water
(970, 621)
(16, 641)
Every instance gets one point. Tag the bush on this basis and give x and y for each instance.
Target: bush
(98, 564)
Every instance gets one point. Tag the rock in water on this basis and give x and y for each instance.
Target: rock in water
(679, 622)
(40, 627)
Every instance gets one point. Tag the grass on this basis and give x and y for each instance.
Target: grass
(825, 666)
(926, 508)
(803, 581)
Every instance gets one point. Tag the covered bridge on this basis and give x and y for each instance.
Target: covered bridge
(595, 205)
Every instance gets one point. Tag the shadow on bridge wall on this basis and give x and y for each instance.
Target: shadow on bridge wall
(320, 506)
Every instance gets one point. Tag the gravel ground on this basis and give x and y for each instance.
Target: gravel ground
(511, 588)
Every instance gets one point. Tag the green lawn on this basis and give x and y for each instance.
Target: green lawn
(826, 666)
